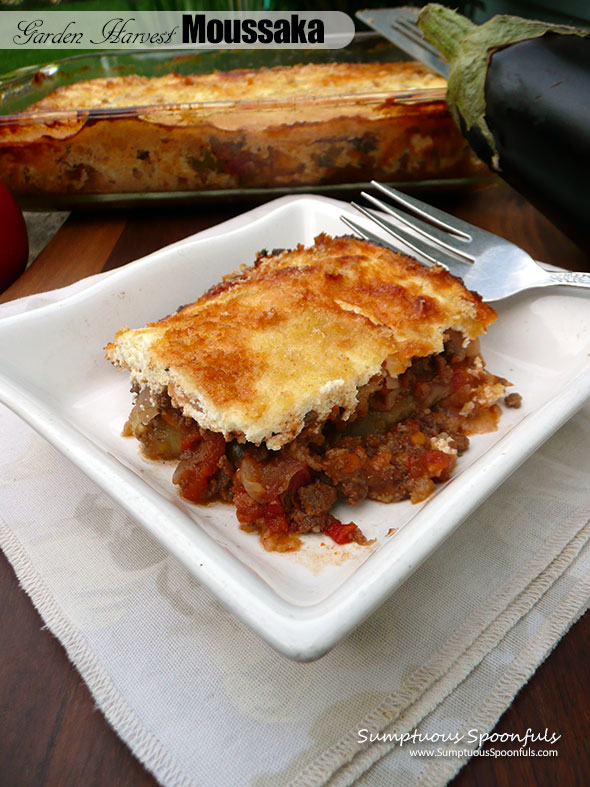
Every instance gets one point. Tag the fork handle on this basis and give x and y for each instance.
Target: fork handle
(571, 278)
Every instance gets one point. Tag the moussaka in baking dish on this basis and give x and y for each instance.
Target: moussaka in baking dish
(280, 127)
(343, 371)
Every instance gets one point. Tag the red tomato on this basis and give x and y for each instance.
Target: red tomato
(14, 244)
(339, 532)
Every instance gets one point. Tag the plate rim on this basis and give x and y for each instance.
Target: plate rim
(302, 633)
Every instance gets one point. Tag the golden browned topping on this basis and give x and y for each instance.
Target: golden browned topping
(299, 332)
(316, 79)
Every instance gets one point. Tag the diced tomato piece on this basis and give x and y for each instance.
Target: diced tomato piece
(274, 517)
(438, 463)
(193, 487)
(247, 509)
(204, 463)
(270, 517)
(339, 532)
(432, 463)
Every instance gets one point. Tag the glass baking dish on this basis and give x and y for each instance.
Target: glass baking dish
(226, 148)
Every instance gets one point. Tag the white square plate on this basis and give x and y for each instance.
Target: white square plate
(53, 374)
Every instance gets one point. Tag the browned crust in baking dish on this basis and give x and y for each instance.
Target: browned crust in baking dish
(280, 127)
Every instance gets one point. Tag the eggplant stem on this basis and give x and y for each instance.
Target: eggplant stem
(444, 28)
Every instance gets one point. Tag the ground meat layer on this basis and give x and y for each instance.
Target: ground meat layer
(403, 438)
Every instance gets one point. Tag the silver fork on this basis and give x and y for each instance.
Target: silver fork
(488, 264)
(399, 26)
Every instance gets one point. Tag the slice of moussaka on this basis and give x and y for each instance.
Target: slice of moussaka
(342, 371)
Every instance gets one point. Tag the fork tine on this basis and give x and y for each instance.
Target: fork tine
(444, 221)
(435, 236)
(368, 235)
(422, 250)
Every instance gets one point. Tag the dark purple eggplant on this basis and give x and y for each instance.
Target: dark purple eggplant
(519, 91)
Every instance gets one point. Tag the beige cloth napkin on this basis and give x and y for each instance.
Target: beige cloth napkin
(202, 701)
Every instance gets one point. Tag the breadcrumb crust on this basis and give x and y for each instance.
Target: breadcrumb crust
(298, 332)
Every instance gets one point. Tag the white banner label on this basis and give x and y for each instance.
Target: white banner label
(175, 29)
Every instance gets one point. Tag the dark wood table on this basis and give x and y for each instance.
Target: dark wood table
(50, 730)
